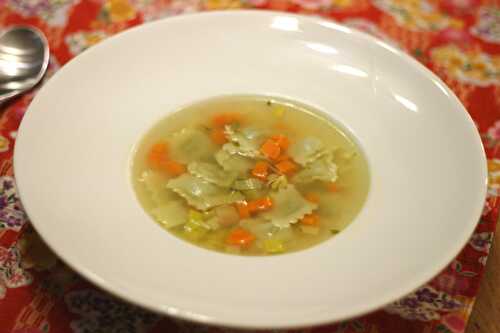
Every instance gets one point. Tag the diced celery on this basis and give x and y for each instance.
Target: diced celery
(279, 110)
(195, 215)
(273, 245)
(195, 230)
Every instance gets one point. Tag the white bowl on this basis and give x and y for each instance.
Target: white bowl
(428, 169)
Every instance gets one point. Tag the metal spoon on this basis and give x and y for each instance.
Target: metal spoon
(24, 57)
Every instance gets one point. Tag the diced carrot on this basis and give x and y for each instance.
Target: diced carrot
(154, 160)
(281, 140)
(157, 154)
(332, 187)
(270, 149)
(222, 119)
(160, 148)
(173, 168)
(240, 237)
(260, 170)
(158, 159)
(282, 157)
(243, 211)
(218, 136)
(261, 204)
(312, 197)
(310, 219)
(286, 167)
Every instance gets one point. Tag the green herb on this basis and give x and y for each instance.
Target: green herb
(334, 231)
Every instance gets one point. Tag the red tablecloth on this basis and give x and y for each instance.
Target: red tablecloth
(457, 39)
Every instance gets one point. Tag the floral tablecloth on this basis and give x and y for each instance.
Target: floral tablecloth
(458, 39)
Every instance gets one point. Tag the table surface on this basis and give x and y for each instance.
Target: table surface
(485, 317)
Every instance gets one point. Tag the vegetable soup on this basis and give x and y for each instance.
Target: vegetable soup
(250, 175)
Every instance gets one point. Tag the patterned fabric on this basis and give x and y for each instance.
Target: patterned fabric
(458, 39)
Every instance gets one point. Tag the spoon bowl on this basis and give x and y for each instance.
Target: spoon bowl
(24, 57)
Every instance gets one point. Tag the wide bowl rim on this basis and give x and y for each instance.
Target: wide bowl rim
(391, 296)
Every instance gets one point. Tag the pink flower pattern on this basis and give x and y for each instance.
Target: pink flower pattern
(12, 215)
(12, 275)
(481, 241)
(494, 131)
(425, 304)
(487, 26)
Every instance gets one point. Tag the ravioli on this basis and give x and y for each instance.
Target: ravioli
(191, 144)
(245, 142)
(233, 162)
(212, 173)
(307, 150)
(155, 184)
(201, 194)
(248, 184)
(171, 214)
(290, 207)
(322, 169)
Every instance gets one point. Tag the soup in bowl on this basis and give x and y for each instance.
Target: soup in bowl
(250, 175)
